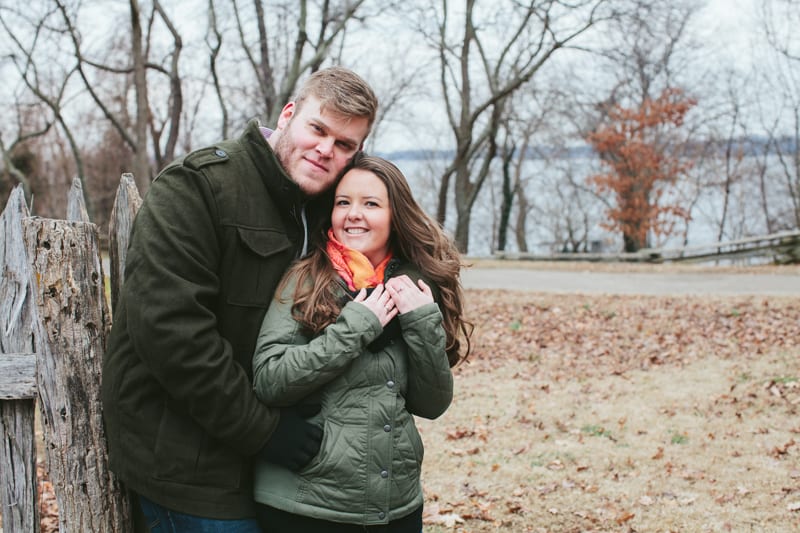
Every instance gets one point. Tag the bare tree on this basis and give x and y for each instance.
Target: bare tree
(29, 34)
(172, 117)
(528, 122)
(10, 166)
(135, 134)
(480, 67)
(214, 38)
(141, 166)
(293, 39)
(779, 19)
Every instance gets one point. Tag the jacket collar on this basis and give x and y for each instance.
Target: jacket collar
(281, 187)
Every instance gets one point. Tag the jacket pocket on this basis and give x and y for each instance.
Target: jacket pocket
(323, 463)
(186, 454)
(255, 265)
(417, 450)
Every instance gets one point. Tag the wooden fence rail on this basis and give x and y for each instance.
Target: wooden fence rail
(54, 321)
(783, 247)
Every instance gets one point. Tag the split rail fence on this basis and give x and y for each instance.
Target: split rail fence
(54, 321)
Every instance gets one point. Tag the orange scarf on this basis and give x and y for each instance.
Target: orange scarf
(353, 266)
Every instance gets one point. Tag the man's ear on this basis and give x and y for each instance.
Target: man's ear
(286, 115)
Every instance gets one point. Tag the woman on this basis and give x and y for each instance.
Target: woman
(367, 326)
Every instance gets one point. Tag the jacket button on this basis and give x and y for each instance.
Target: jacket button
(390, 384)
(220, 153)
(381, 515)
(387, 428)
(384, 474)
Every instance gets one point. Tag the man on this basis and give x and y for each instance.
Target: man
(212, 239)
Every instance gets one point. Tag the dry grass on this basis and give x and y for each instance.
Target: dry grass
(581, 413)
(626, 414)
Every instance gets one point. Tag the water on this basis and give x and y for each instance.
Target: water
(563, 210)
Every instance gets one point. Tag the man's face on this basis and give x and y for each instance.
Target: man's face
(313, 146)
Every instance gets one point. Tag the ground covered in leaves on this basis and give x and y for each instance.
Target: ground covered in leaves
(621, 413)
(585, 413)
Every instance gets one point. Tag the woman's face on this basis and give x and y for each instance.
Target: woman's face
(362, 218)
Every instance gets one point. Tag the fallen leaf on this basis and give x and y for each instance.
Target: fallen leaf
(624, 517)
(659, 454)
(458, 452)
(514, 507)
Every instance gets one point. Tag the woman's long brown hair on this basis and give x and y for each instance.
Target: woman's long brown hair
(416, 237)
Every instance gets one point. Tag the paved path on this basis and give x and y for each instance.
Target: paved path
(631, 282)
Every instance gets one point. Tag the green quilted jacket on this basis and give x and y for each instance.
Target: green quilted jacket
(369, 383)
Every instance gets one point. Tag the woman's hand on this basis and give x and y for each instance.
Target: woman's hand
(406, 295)
(379, 302)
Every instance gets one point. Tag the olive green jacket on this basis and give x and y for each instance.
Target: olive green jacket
(213, 237)
(368, 467)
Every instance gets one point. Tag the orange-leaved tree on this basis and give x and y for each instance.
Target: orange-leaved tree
(637, 146)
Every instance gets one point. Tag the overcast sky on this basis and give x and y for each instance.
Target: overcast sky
(730, 25)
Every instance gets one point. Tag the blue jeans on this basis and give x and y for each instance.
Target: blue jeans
(162, 520)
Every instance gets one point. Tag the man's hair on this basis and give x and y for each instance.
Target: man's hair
(341, 91)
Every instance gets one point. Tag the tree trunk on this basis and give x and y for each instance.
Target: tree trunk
(141, 165)
(72, 305)
(521, 229)
(632, 243)
(507, 201)
(463, 217)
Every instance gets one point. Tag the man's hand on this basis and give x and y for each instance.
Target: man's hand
(407, 295)
(295, 441)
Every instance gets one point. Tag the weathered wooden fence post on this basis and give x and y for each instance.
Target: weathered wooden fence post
(76, 206)
(57, 307)
(72, 306)
(20, 331)
(126, 205)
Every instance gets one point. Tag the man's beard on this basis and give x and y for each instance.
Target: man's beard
(283, 151)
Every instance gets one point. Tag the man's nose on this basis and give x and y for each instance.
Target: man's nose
(325, 146)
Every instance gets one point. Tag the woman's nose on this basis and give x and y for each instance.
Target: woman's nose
(354, 212)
